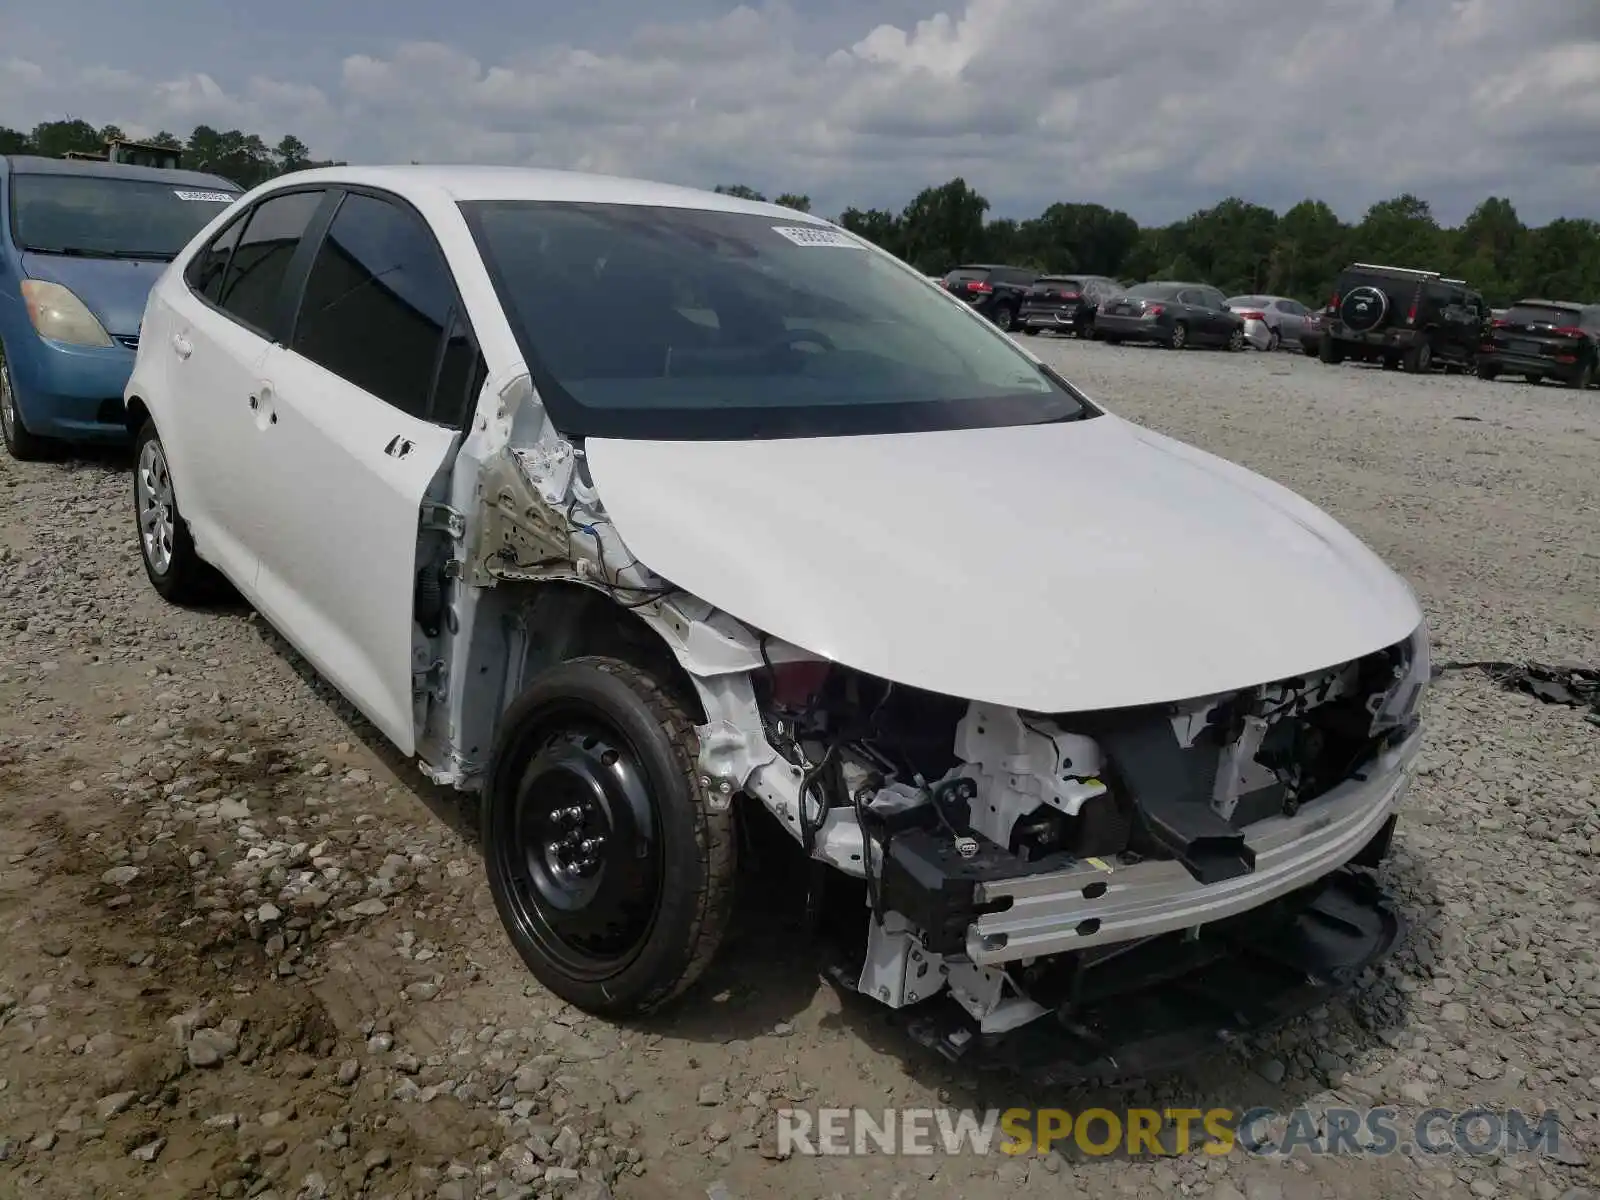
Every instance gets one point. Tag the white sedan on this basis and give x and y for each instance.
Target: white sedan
(645, 512)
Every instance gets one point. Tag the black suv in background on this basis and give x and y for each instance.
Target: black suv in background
(1540, 339)
(1403, 317)
(1065, 303)
(995, 291)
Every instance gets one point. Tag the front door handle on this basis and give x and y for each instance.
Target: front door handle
(398, 447)
(181, 346)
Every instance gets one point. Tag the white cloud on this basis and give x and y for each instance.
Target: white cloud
(1155, 107)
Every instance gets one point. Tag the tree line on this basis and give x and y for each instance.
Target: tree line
(1236, 245)
(242, 157)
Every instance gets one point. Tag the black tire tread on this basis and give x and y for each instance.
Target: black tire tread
(714, 832)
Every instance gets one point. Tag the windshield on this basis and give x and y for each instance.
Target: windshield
(1152, 291)
(1542, 314)
(640, 321)
(104, 216)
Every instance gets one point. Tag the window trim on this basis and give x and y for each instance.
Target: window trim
(299, 275)
(311, 231)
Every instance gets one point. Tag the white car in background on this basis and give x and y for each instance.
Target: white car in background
(642, 512)
(1269, 321)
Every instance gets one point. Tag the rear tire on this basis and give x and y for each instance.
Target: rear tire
(1111, 341)
(1005, 318)
(20, 444)
(1487, 373)
(1031, 331)
(1584, 379)
(1309, 350)
(1419, 359)
(1533, 379)
(622, 927)
(1180, 337)
(1330, 351)
(172, 564)
(1273, 340)
(1236, 341)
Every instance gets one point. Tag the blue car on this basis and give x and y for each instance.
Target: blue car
(81, 243)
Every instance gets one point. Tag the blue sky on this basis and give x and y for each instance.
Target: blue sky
(1148, 105)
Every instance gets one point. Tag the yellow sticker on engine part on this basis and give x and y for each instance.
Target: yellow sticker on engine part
(1098, 864)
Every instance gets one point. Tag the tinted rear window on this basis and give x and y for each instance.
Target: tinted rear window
(1152, 291)
(1542, 314)
(963, 274)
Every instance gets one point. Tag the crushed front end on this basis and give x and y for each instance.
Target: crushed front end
(1108, 890)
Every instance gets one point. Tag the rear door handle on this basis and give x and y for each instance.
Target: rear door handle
(181, 346)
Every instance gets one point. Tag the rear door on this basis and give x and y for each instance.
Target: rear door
(368, 398)
(224, 313)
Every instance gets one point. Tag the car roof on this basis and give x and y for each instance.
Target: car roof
(34, 164)
(1551, 304)
(468, 183)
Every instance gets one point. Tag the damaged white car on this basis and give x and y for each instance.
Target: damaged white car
(644, 512)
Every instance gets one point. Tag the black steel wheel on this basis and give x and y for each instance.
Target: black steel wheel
(610, 863)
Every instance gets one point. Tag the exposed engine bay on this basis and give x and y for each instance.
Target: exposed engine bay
(965, 812)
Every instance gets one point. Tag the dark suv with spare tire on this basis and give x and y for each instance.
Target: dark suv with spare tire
(1402, 317)
(1544, 339)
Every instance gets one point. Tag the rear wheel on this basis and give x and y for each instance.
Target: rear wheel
(1330, 351)
(1005, 318)
(174, 567)
(1273, 339)
(1584, 379)
(1031, 330)
(1419, 358)
(1532, 378)
(1309, 349)
(20, 444)
(610, 862)
(1111, 341)
(1488, 372)
(1180, 336)
(1236, 340)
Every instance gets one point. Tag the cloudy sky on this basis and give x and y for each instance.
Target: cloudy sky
(1155, 106)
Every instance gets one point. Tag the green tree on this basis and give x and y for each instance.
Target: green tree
(740, 190)
(14, 141)
(56, 139)
(943, 226)
(797, 202)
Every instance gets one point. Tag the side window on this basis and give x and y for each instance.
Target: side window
(1590, 320)
(376, 305)
(254, 282)
(461, 375)
(1214, 300)
(1192, 298)
(208, 267)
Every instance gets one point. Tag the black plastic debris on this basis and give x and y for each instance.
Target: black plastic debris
(1574, 687)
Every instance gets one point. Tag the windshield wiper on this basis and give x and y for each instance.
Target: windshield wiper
(90, 252)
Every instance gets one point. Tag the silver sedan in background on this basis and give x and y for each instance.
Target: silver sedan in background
(1269, 321)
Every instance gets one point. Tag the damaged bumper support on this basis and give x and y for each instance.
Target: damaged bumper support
(1099, 902)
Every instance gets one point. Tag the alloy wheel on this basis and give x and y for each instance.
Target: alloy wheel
(152, 484)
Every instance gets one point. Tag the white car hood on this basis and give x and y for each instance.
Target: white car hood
(1054, 568)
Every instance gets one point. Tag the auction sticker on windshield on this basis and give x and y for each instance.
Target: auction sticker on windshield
(810, 235)
(210, 197)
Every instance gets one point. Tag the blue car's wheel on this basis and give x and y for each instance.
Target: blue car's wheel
(20, 444)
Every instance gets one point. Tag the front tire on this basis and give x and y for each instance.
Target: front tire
(174, 567)
(611, 864)
(20, 444)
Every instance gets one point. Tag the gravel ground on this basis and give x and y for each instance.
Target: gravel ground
(247, 952)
